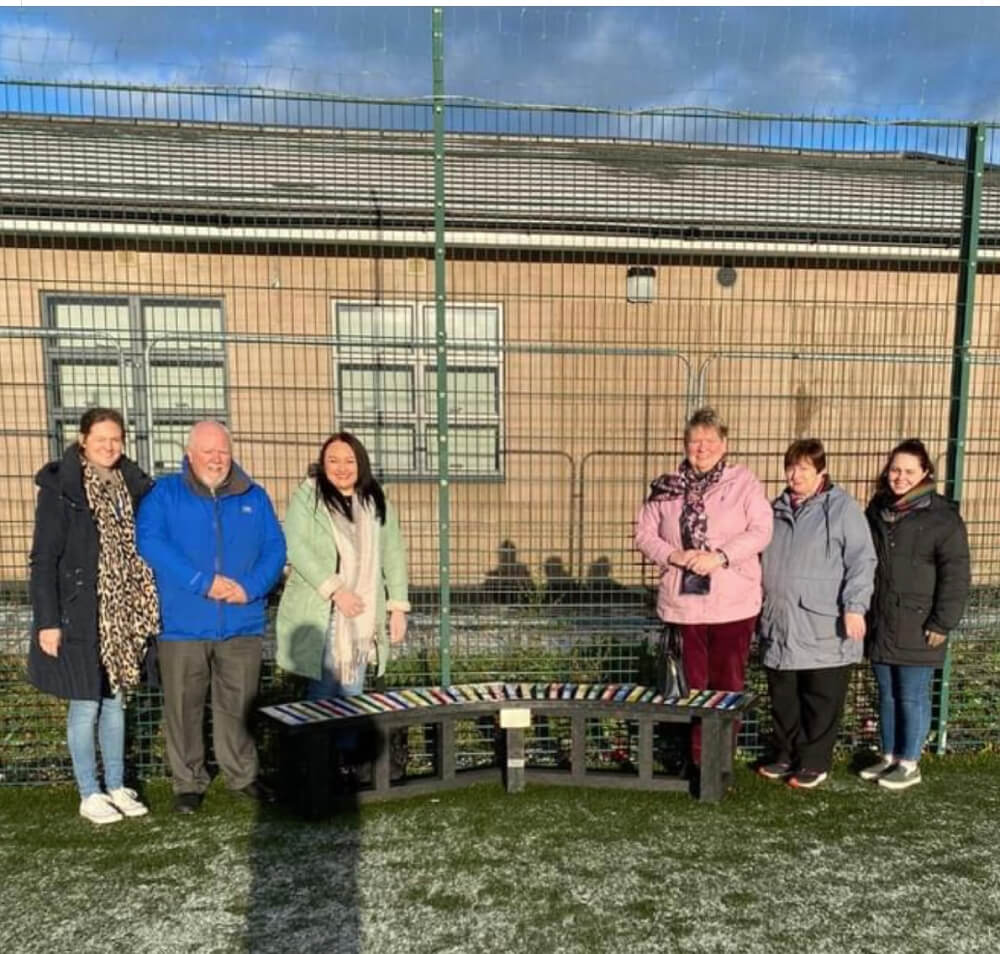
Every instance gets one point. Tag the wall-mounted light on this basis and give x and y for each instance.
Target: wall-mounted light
(640, 283)
(726, 276)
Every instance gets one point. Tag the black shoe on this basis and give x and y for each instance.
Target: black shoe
(187, 803)
(258, 791)
(807, 778)
(775, 771)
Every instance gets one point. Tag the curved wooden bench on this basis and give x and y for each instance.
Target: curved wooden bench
(305, 729)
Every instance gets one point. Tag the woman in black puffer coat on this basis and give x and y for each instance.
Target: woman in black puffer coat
(921, 586)
(93, 604)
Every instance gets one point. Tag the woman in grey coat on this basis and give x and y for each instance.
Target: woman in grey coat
(818, 578)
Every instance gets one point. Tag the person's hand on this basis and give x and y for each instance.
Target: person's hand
(683, 558)
(49, 640)
(221, 588)
(397, 626)
(934, 640)
(226, 590)
(854, 625)
(705, 562)
(349, 603)
(236, 593)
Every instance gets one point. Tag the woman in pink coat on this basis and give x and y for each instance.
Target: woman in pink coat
(705, 526)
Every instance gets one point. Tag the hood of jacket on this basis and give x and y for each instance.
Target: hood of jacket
(830, 494)
(237, 482)
(828, 500)
(65, 476)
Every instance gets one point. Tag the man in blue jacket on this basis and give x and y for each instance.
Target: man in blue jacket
(213, 541)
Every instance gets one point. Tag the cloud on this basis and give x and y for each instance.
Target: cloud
(893, 62)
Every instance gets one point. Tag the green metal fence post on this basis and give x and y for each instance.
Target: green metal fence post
(958, 415)
(441, 345)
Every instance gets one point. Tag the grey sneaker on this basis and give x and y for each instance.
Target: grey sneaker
(899, 777)
(877, 769)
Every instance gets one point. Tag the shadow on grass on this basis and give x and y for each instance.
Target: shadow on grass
(304, 850)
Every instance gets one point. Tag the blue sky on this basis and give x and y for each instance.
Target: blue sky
(876, 62)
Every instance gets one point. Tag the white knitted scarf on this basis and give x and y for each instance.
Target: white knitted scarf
(354, 638)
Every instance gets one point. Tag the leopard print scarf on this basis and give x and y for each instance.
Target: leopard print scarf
(128, 610)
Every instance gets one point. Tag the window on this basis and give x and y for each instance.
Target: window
(386, 386)
(159, 361)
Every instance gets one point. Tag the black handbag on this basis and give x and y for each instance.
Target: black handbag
(694, 584)
(670, 678)
(151, 664)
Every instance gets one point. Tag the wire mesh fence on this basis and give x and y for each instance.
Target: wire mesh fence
(604, 274)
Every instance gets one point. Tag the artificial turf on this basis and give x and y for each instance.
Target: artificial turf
(846, 868)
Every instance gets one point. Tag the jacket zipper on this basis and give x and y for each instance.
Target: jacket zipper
(217, 523)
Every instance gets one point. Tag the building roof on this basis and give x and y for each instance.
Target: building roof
(115, 171)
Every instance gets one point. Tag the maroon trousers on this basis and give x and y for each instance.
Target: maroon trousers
(715, 657)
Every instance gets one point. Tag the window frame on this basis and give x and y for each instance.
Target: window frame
(133, 398)
(418, 354)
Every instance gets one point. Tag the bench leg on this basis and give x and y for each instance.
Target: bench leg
(446, 750)
(383, 761)
(712, 754)
(645, 753)
(316, 751)
(728, 746)
(578, 746)
(514, 766)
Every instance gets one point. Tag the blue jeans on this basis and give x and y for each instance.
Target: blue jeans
(904, 708)
(109, 717)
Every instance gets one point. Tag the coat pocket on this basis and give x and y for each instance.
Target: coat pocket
(918, 605)
(912, 613)
(820, 597)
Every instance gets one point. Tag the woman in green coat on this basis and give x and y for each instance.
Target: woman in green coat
(348, 571)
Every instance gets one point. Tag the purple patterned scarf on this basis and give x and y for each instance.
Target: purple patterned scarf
(691, 486)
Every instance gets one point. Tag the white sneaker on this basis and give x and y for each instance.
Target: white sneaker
(127, 802)
(97, 808)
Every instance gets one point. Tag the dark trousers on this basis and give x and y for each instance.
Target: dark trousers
(188, 668)
(715, 657)
(806, 705)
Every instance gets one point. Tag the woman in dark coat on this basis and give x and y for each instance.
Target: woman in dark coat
(93, 602)
(921, 585)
